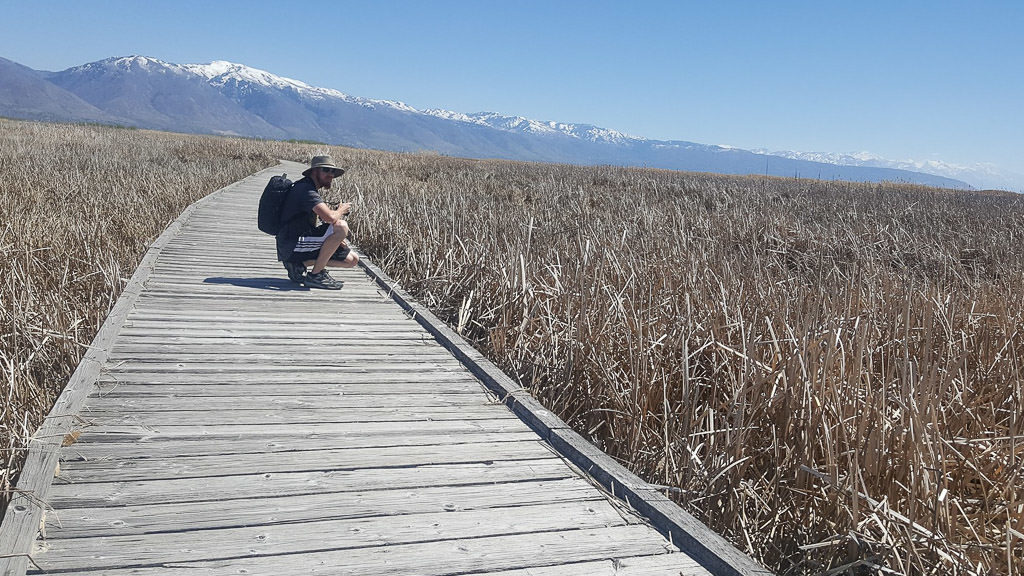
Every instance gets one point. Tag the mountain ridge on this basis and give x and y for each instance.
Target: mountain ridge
(227, 98)
(982, 175)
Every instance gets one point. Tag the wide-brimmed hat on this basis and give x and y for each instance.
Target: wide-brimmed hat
(324, 161)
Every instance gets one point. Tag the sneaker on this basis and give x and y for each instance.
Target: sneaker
(296, 271)
(323, 280)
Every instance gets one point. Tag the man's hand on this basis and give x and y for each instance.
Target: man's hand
(342, 212)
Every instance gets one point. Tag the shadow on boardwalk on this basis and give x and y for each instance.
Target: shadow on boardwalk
(265, 283)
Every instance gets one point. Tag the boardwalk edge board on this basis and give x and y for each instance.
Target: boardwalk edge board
(712, 551)
(24, 516)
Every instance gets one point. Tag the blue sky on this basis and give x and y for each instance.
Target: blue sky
(938, 80)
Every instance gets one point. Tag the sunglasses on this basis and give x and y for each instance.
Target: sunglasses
(333, 171)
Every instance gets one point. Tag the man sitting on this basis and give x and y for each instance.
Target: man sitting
(301, 242)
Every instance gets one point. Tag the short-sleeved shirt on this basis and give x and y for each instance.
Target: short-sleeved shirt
(297, 216)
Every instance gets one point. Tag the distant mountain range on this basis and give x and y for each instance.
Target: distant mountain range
(233, 99)
(978, 175)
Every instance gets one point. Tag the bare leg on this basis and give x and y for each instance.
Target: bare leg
(350, 261)
(330, 246)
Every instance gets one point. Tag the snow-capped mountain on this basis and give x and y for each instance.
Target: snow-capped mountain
(233, 99)
(228, 74)
(526, 125)
(149, 93)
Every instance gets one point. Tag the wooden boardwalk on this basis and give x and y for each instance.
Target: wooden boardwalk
(226, 421)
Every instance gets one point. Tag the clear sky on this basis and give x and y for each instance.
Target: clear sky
(923, 80)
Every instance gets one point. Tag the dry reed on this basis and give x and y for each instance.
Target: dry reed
(827, 373)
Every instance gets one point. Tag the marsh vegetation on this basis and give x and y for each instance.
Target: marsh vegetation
(827, 373)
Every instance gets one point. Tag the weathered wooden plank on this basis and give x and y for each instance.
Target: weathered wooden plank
(268, 484)
(174, 267)
(297, 373)
(249, 287)
(91, 446)
(268, 387)
(286, 306)
(129, 350)
(287, 302)
(269, 357)
(460, 556)
(312, 370)
(142, 431)
(289, 344)
(399, 338)
(147, 327)
(342, 332)
(270, 291)
(201, 230)
(153, 314)
(169, 403)
(341, 355)
(286, 334)
(287, 295)
(298, 321)
(247, 284)
(660, 565)
(114, 469)
(356, 330)
(363, 414)
(264, 511)
(214, 276)
(189, 248)
(267, 290)
(317, 536)
(183, 251)
(340, 379)
(294, 315)
(333, 337)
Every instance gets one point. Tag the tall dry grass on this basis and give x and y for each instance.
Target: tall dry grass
(79, 205)
(828, 373)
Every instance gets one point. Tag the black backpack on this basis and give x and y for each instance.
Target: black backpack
(269, 217)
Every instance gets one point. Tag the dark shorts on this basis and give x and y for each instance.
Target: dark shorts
(308, 247)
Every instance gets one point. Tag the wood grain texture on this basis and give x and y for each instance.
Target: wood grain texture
(126, 469)
(255, 484)
(89, 447)
(318, 535)
(215, 432)
(459, 556)
(282, 510)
